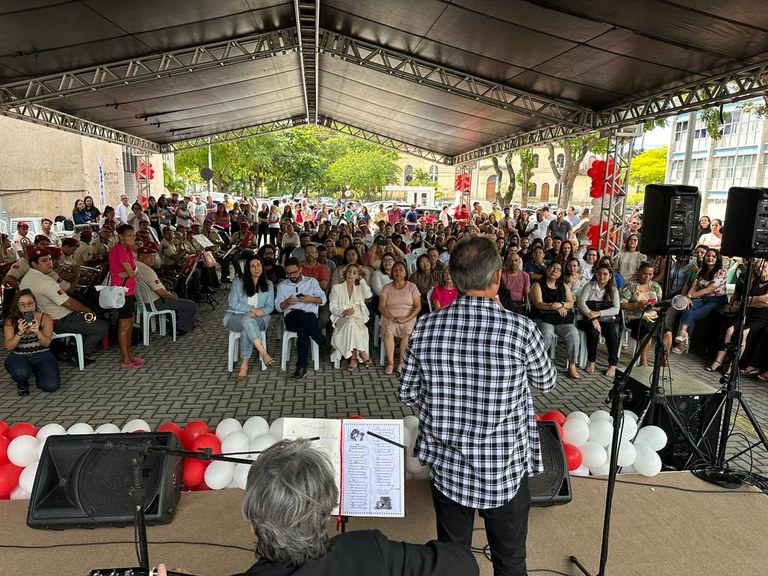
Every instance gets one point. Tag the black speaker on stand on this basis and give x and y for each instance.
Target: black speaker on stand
(670, 219)
(87, 480)
(553, 486)
(746, 222)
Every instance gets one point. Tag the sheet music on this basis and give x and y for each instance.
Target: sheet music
(372, 468)
(369, 471)
(203, 241)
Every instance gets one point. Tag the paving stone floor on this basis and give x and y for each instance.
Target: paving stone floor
(189, 379)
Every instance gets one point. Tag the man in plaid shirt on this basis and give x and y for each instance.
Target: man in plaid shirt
(469, 368)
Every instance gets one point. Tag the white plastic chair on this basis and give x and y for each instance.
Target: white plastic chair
(233, 350)
(144, 300)
(78, 343)
(429, 298)
(286, 351)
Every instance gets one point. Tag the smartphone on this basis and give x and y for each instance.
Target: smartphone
(299, 295)
(693, 260)
(29, 316)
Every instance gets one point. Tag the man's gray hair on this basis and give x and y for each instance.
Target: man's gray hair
(473, 262)
(288, 499)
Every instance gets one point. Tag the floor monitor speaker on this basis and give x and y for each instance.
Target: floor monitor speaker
(553, 486)
(87, 480)
(670, 219)
(746, 221)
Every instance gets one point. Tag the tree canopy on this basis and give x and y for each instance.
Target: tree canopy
(649, 167)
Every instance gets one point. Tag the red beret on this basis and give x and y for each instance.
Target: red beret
(22, 224)
(41, 237)
(244, 226)
(34, 253)
(55, 251)
(70, 242)
(46, 220)
(86, 235)
(149, 249)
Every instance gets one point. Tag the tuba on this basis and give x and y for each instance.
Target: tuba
(25, 243)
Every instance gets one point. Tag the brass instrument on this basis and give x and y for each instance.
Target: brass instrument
(25, 242)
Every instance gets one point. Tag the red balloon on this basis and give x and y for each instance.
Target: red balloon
(4, 449)
(194, 471)
(554, 416)
(206, 440)
(3, 427)
(537, 417)
(170, 427)
(201, 486)
(9, 478)
(21, 429)
(572, 456)
(192, 431)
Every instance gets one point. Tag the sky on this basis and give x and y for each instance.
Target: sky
(654, 139)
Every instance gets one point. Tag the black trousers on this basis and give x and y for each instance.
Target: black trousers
(608, 331)
(306, 326)
(506, 528)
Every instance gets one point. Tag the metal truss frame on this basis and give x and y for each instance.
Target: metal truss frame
(385, 141)
(143, 185)
(147, 68)
(308, 32)
(230, 135)
(614, 200)
(407, 67)
(69, 123)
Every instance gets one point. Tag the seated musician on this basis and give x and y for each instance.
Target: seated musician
(84, 254)
(164, 299)
(67, 277)
(171, 252)
(242, 242)
(20, 267)
(208, 278)
(21, 240)
(68, 314)
(9, 255)
(46, 224)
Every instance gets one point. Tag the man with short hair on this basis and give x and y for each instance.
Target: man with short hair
(47, 228)
(560, 227)
(322, 257)
(572, 216)
(299, 298)
(444, 217)
(21, 240)
(380, 215)
(411, 218)
(393, 214)
(434, 260)
(320, 272)
(164, 299)
(68, 314)
(123, 210)
(481, 446)
(537, 228)
(305, 239)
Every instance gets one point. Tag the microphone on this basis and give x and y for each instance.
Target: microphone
(679, 303)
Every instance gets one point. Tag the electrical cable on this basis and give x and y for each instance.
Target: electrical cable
(113, 542)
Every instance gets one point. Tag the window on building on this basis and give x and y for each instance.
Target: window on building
(745, 166)
(408, 174)
(490, 188)
(730, 122)
(560, 161)
(722, 167)
(697, 169)
(680, 130)
(532, 190)
(433, 172)
(557, 189)
(535, 160)
(677, 171)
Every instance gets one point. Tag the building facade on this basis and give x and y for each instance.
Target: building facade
(737, 158)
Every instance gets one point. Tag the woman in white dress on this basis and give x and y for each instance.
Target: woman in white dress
(349, 314)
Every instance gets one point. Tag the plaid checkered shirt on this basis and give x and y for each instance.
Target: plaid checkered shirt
(468, 368)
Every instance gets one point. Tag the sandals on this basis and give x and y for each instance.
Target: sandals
(389, 368)
(240, 377)
(611, 372)
(748, 372)
(131, 365)
(761, 378)
(367, 362)
(353, 364)
(590, 369)
(714, 367)
(137, 359)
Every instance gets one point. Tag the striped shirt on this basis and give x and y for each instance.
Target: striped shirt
(469, 368)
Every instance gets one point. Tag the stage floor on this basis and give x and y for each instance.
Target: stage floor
(670, 524)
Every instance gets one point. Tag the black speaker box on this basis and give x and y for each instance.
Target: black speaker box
(670, 219)
(87, 480)
(553, 486)
(745, 231)
(694, 412)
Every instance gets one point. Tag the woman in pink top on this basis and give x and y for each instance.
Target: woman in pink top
(444, 293)
(122, 268)
(399, 304)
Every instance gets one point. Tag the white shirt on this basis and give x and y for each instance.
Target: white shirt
(122, 212)
(540, 230)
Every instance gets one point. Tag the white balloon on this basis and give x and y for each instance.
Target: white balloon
(50, 430)
(594, 220)
(232, 484)
(413, 465)
(628, 470)
(647, 462)
(628, 429)
(19, 494)
(599, 470)
(23, 451)
(255, 426)
(408, 441)
(597, 202)
(600, 415)
(235, 442)
(630, 414)
(593, 455)
(582, 470)
(240, 476)
(258, 445)
(652, 436)
(107, 429)
(27, 478)
(80, 428)
(626, 454)
(137, 425)
(575, 432)
(412, 423)
(218, 474)
(576, 415)
(228, 426)
(600, 432)
(276, 429)
(40, 449)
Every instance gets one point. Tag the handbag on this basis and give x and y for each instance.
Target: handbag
(553, 317)
(112, 297)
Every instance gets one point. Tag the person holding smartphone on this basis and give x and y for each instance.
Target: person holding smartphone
(28, 335)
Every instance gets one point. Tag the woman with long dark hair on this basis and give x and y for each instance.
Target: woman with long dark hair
(221, 222)
(79, 214)
(122, 266)
(91, 209)
(263, 224)
(598, 306)
(706, 294)
(251, 301)
(28, 334)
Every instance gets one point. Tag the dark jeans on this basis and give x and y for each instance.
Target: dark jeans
(506, 528)
(185, 311)
(305, 325)
(608, 331)
(92, 333)
(701, 308)
(42, 364)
